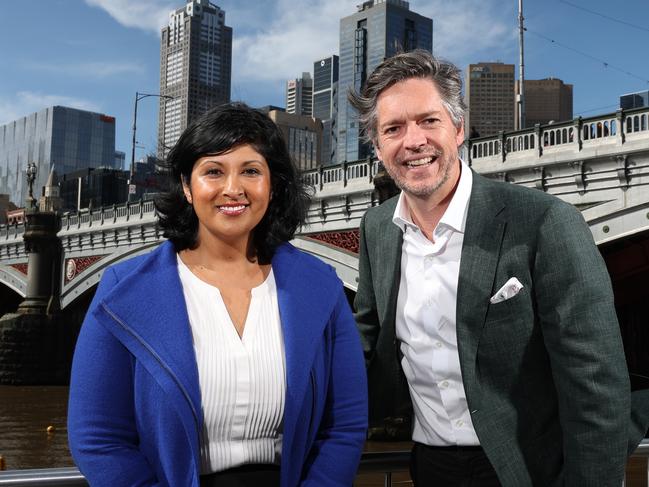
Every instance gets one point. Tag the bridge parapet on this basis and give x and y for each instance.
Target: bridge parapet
(581, 138)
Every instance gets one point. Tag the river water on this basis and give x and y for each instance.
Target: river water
(25, 414)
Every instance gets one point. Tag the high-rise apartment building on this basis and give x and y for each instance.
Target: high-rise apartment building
(299, 95)
(195, 68)
(489, 94)
(66, 138)
(639, 99)
(546, 100)
(325, 105)
(378, 30)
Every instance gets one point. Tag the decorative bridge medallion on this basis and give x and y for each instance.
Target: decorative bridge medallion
(75, 266)
(347, 240)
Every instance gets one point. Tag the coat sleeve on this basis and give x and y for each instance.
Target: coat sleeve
(582, 337)
(101, 419)
(366, 315)
(334, 457)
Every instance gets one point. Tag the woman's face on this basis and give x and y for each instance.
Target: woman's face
(230, 194)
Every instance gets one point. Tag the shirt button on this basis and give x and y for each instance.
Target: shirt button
(459, 423)
(444, 384)
(438, 344)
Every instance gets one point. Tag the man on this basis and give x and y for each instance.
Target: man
(491, 300)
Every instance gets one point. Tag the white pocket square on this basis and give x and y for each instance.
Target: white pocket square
(508, 291)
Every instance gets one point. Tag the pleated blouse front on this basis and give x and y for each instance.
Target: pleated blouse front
(242, 379)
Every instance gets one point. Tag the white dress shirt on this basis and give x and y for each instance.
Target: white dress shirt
(242, 380)
(426, 322)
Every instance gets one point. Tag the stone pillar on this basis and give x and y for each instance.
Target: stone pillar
(33, 349)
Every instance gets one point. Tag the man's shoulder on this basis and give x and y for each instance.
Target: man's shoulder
(379, 215)
(519, 199)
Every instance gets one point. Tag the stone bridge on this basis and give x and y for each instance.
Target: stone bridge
(599, 164)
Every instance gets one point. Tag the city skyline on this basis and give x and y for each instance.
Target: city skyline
(95, 54)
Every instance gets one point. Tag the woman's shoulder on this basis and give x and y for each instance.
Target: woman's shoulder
(306, 262)
(136, 262)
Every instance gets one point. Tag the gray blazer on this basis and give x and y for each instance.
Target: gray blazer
(544, 372)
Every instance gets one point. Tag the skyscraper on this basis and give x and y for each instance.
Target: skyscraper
(639, 99)
(546, 100)
(299, 95)
(379, 29)
(68, 138)
(195, 67)
(489, 94)
(325, 105)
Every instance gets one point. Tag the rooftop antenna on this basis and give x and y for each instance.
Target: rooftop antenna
(520, 96)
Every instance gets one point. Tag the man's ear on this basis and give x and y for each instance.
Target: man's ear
(377, 151)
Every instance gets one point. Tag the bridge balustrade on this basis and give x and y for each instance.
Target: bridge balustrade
(330, 178)
(570, 136)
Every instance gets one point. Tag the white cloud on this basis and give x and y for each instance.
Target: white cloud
(150, 15)
(295, 33)
(26, 102)
(470, 31)
(275, 40)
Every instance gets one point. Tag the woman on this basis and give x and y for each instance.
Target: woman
(225, 356)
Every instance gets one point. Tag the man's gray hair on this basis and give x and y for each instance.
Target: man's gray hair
(400, 67)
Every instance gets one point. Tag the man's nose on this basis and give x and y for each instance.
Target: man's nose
(415, 137)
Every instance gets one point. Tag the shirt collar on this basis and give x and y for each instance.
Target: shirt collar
(454, 216)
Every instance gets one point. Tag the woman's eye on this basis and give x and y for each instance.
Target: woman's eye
(251, 171)
(213, 172)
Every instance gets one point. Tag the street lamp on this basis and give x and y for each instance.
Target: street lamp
(138, 97)
(31, 177)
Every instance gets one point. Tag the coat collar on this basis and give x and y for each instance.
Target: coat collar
(485, 229)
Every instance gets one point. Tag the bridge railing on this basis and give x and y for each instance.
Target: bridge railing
(578, 134)
(89, 217)
(342, 174)
(11, 232)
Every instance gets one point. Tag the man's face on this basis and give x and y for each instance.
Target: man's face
(417, 140)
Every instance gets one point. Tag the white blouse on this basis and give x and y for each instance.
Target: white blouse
(242, 380)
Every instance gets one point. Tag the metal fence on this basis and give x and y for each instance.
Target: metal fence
(385, 463)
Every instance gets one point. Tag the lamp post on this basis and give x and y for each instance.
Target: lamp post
(31, 177)
(138, 97)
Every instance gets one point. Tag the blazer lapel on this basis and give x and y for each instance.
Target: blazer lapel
(480, 255)
(388, 241)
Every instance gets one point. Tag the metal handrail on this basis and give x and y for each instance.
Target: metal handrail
(371, 462)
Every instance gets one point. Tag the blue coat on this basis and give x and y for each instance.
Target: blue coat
(135, 404)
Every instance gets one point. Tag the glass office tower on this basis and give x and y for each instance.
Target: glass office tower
(378, 30)
(66, 138)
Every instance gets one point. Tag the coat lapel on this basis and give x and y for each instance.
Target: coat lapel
(480, 255)
(389, 241)
(306, 301)
(146, 310)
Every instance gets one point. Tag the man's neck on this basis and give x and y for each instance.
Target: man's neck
(427, 212)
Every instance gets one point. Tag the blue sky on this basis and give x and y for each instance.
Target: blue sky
(95, 54)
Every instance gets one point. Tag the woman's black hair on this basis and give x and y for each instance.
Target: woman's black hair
(217, 131)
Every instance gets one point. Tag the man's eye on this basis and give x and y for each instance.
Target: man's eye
(390, 130)
(430, 121)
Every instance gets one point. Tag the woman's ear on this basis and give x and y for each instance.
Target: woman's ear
(186, 190)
